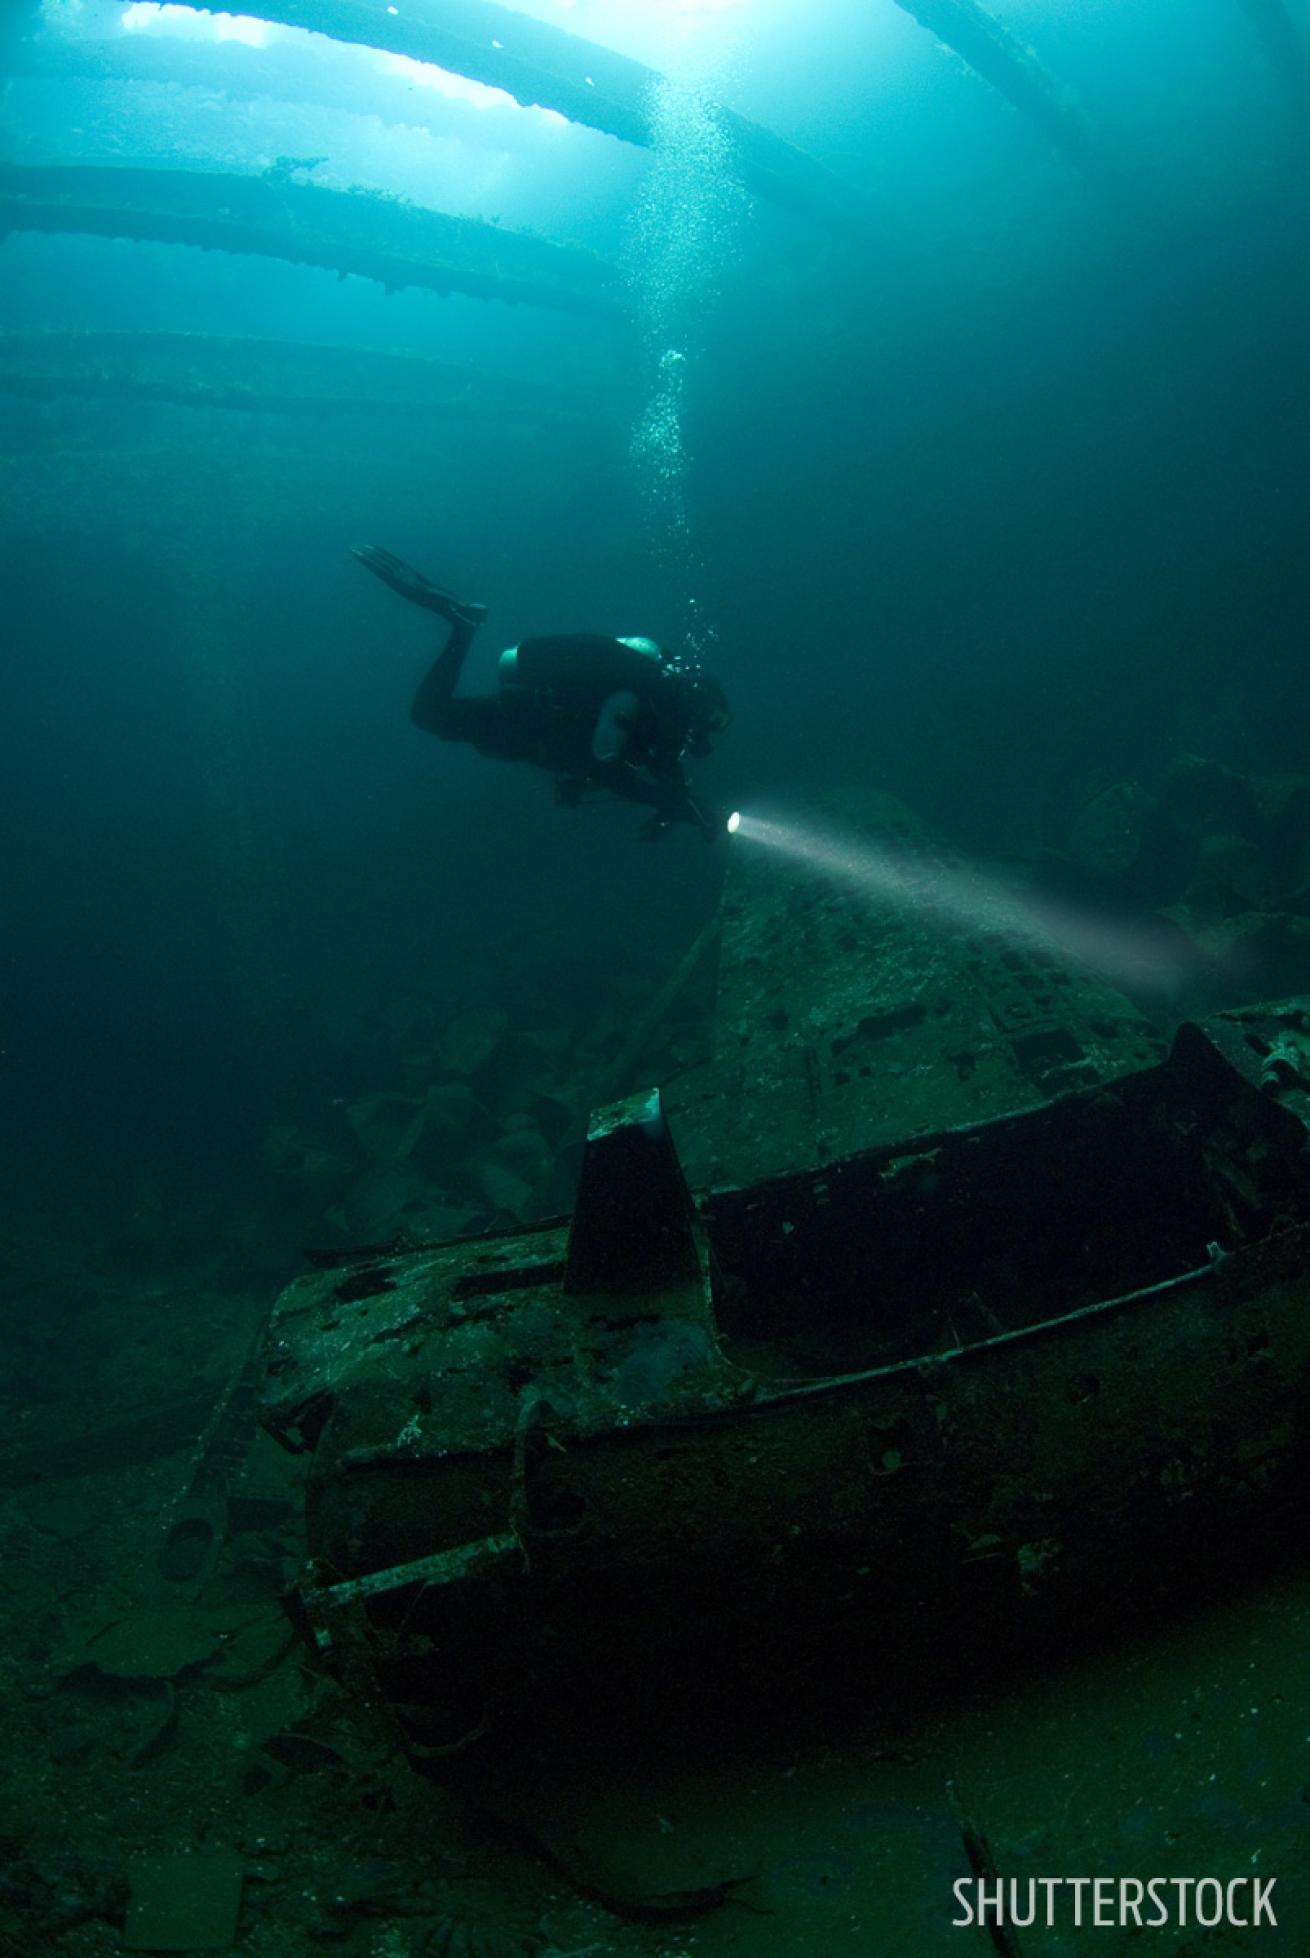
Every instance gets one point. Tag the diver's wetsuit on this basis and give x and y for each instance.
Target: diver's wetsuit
(615, 713)
(586, 706)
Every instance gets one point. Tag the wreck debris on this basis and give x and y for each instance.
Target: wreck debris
(396, 244)
(996, 54)
(500, 1462)
(632, 1193)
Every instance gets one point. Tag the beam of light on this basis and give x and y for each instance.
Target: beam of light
(968, 900)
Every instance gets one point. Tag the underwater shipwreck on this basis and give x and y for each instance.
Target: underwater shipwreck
(939, 1302)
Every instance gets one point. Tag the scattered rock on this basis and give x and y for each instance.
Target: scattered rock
(183, 1903)
(64, 1517)
(1233, 873)
(388, 1126)
(508, 1195)
(252, 1652)
(63, 1892)
(463, 1937)
(301, 1752)
(394, 1199)
(129, 1720)
(469, 1041)
(154, 1644)
(522, 1150)
(303, 1161)
(378, 1888)
(1106, 834)
(451, 1111)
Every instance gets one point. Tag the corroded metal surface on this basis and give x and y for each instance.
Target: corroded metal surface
(975, 1374)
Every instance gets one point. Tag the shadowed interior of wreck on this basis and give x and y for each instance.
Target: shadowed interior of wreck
(971, 1234)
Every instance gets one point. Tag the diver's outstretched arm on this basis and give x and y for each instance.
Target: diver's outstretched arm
(417, 588)
(670, 797)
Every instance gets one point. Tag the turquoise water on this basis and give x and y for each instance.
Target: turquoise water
(958, 421)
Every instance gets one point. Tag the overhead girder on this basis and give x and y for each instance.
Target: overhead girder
(242, 74)
(1011, 67)
(378, 238)
(202, 370)
(544, 67)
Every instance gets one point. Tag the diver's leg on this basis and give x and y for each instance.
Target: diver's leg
(435, 709)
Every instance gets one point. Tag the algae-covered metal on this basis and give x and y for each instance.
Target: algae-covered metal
(958, 1376)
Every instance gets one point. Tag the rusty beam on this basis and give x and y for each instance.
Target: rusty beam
(397, 245)
(1012, 68)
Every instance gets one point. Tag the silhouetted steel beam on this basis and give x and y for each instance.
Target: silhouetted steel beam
(324, 77)
(996, 54)
(1284, 44)
(378, 238)
(544, 67)
(201, 370)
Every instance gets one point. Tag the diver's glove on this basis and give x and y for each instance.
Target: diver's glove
(711, 822)
(708, 818)
(419, 590)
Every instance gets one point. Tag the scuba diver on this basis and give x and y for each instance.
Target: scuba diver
(615, 714)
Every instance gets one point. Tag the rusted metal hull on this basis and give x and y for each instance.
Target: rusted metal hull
(915, 1388)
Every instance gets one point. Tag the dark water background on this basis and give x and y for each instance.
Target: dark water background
(1017, 495)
